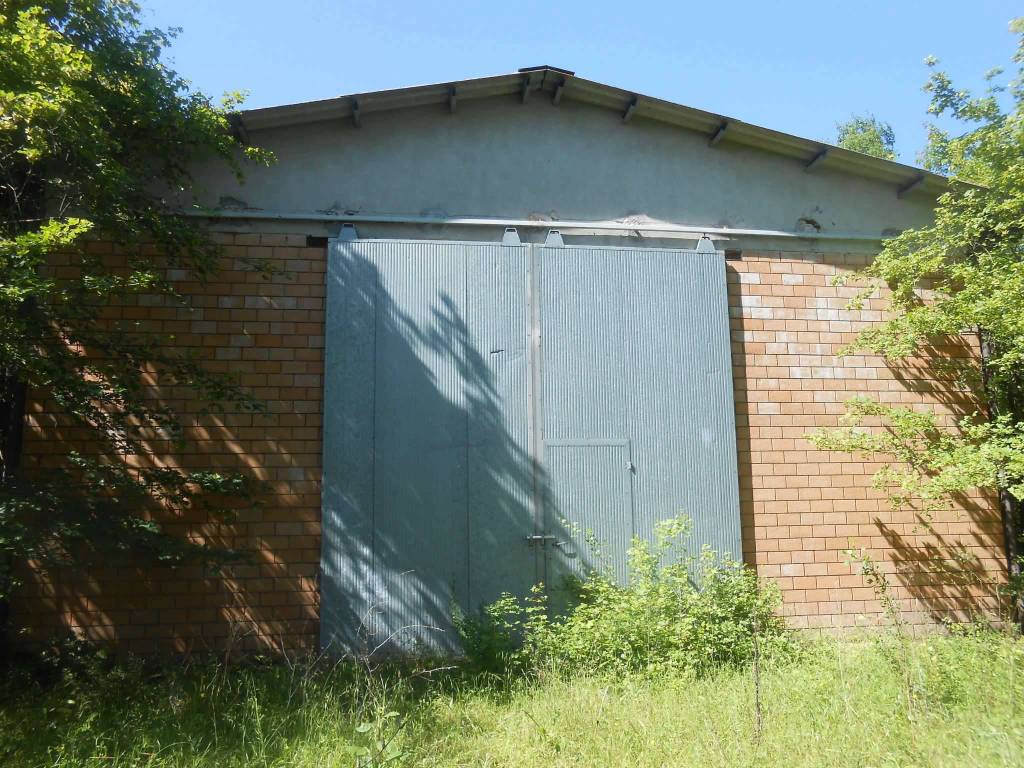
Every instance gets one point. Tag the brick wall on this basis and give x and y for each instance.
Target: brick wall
(801, 508)
(270, 333)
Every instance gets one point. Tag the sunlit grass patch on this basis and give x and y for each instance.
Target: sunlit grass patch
(838, 703)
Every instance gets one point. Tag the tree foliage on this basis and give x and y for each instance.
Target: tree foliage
(971, 258)
(868, 135)
(932, 460)
(97, 137)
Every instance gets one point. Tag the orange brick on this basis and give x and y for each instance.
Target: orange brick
(800, 507)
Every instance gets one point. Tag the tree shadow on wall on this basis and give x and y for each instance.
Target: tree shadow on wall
(429, 484)
(943, 574)
(267, 601)
(428, 480)
(948, 560)
(940, 575)
(943, 373)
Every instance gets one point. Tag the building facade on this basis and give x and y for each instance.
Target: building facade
(509, 312)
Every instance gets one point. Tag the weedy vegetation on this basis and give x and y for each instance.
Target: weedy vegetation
(686, 664)
(678, 613)
(834, 703)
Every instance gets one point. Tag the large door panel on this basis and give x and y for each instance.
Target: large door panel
(420, 460)
(635, 348)
(495, 415)
(426, 472)
(680, 394)
(585, 449)
(346, 558)
(501, 513)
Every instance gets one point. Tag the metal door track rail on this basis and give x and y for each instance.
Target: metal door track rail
(623, 228)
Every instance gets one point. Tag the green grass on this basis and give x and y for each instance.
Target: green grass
(948, 701)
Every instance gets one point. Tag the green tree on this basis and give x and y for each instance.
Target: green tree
(972, 259)
(97, 137)
(867, 135)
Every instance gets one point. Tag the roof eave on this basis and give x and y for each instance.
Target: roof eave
(905, 177)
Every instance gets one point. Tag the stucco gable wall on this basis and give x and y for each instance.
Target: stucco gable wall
(498, 157)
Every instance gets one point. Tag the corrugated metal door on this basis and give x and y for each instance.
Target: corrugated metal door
(427, 478)
(638, 414)
(588, 505)
(491, 411)
(680, 407)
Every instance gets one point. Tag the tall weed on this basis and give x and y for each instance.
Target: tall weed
(677, 613)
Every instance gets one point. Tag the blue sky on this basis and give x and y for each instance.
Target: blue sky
(794, 66)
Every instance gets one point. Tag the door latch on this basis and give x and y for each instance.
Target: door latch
(537, 538)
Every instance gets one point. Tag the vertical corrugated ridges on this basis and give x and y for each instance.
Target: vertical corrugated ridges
(636, 347)
(420, 473)
(583, 342)
(589, 498)
(500, 470)
(347, 488)
(681, 407)
(426, 476)
(427, 472)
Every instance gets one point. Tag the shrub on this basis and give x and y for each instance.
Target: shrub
(489, 639)
(676, 613)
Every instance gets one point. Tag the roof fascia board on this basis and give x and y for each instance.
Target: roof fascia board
(340, 107)
(739, 132)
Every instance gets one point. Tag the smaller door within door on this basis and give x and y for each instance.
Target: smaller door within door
(588, 508)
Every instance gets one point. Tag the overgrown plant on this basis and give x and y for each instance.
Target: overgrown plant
(971, 257)
(97, 138)
(895, 649)
(934, 682)
(677, 613)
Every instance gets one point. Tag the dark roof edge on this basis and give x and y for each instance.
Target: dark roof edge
(812, 154)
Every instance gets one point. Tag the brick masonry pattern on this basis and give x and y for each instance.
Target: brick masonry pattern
(801, 508)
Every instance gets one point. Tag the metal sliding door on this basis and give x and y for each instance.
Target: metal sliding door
(427, 479)
(639, 422)
(489, 409)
